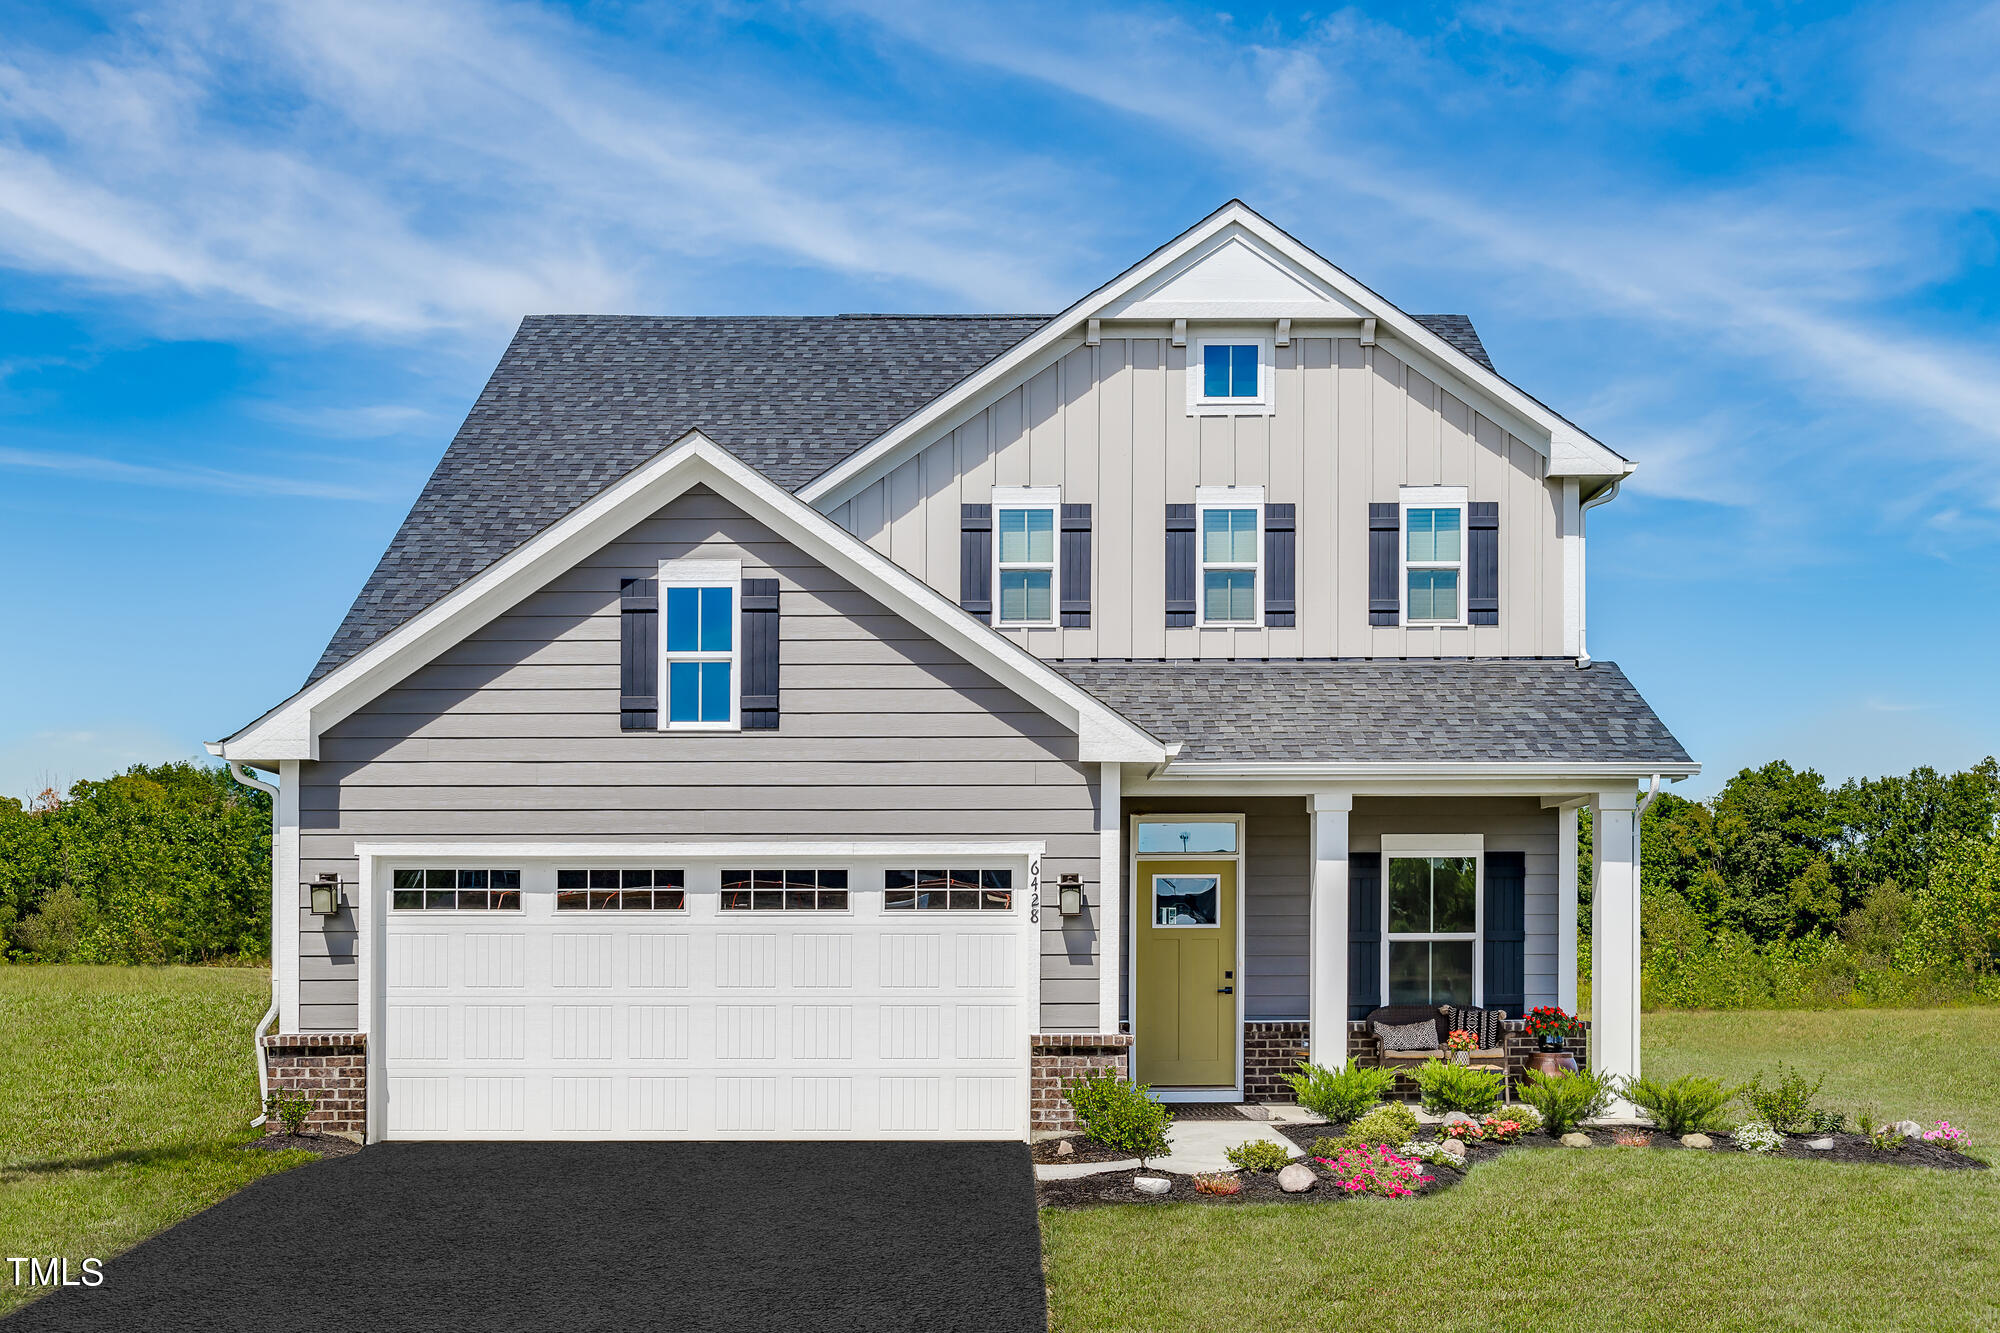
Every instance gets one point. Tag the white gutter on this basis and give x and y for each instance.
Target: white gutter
(244, 776)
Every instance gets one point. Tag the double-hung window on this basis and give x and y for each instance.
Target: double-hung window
(699, 637)
(1229, 530)
(1229, 374)
(1025, 553)
(1431, 920)
(1434, 555)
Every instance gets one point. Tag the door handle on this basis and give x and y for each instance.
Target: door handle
(1225, 990)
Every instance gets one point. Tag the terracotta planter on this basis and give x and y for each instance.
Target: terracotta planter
(1551, 1063)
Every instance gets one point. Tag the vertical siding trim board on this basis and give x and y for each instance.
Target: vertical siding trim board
(760, 655)
(1075, 564)
(1482, 561)
(1280, 566)
(1364, 933)
(975, 560)
(1385, 600)
(1180, 566)
(638, 654)
(1506, 932)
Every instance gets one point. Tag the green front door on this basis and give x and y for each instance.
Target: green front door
(1185, 974)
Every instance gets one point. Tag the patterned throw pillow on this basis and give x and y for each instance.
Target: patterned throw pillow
(1408, 1036)
(1486, 1025)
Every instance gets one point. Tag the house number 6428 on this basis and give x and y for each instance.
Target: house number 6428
(1035, 890)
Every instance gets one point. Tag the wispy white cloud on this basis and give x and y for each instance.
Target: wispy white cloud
(217, 480)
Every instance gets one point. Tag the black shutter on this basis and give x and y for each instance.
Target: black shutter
(1385, 600)
(975, 559)
(639, 654)
(1280, 566)
(1506, 932)
(1075, 567)
(1364, 935)
(1180, 566)
(760, 655)
(1482, 563)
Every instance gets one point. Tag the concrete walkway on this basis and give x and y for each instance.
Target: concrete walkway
(1198, 1145)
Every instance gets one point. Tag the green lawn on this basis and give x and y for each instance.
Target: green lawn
(1607, 1239)
(124, 1093)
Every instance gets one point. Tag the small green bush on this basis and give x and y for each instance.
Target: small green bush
(290, 1109)
(1826, 1120)
(1786, 1104)
(1120, 1114)
(1342, 1096)
(1257, 1155)
(1394, 1124)
(1449, 1087)
(1567, 1100)
(1689, 1104)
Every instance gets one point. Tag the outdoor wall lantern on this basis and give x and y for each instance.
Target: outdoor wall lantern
(1071, 890)
(326, 894)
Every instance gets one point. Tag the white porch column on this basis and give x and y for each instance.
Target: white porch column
(1566, 988)
(1614, 944)
(1327, 1005)
(1110, 894)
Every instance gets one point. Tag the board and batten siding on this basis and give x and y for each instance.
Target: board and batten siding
(1352, 424)
(1277, 898)
(513, 734)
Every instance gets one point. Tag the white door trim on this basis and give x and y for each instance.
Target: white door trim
(1242, 916)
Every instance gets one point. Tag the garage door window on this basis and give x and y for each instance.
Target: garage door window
(456, 890)
(621, 891)
(948, 890)
(784, 890)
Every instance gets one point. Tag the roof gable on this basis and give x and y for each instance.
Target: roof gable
(1231, 276)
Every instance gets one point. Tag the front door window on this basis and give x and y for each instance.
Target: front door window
(1181, 901)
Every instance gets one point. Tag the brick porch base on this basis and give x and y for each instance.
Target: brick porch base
(1271, 1049)
(329, 1067)
(1057, 1059)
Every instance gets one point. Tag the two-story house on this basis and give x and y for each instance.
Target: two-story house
(852, 726)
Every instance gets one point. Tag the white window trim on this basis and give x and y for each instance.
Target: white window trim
(1227, 497)
(1411, 845)
(1200, 404)
(704, 574)
(1030, 497)
(1430, 497)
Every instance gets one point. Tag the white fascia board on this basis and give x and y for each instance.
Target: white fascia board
(1341, 771)
(608, 849)
(1518, 412)
(291, 731)
(1410, 779)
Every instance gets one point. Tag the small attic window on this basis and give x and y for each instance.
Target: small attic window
(1229, 375)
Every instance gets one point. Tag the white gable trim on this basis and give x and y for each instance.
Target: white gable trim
(292, 729)
(1571, 451)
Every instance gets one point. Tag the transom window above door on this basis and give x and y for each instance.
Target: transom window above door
(1431, 934)
(1025, 553)
(1184, 901)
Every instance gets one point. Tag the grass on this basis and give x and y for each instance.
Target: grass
(1629, 1240)
(125, 1095)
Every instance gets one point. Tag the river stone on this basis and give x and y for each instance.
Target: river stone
(1697, 1141)
(1458, 1118)
(1297, 1178)
(1151, 1184)
(1820, 1145)
(1575, 1140)
(1455, 1150)
(1065, 1149)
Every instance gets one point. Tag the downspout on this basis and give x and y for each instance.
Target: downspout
(1605, 496)
(244, 776)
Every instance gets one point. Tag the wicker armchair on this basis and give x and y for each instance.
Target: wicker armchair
(1443, 1018)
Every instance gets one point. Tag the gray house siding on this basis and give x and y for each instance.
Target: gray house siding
(1109, 425)
(514, 734)
(1278, 879)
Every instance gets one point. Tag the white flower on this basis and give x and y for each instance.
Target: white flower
(1756, 1136)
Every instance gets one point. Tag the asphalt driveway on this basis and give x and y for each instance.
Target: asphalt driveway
(572, 1236)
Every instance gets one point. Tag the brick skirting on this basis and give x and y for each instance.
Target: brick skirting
(1271, 1049)
(329, 1067)
(1057, 1059)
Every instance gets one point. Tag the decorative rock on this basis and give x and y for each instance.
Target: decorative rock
(1909, 1129)
(1820, 1145)
(1151, 1184)
(1297, 1178)
(1575, 1140)
(1458, 1118)
(1065, 1149)
(1697, 1141)
(1455, 1150)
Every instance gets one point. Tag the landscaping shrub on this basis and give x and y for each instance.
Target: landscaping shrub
(1689, 1104)
(1217, 1182)
(1785, 1104)
(1942, 1135)
(1120, 1114)
(290, 1109)
(1530, 1118)
(1377, 1169)
(1506, 1126)
(1567, 1100)
(1341, 1096)
(1391, 1126)
(1449, 1087)
(1756, 1136)
(1257, 1155)
(1826, 1120)
(1632, 1138)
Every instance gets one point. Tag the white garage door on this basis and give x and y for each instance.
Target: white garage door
(738, 1001)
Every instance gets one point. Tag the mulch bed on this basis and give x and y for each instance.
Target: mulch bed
(1110, 1187)
(323, 1145)
(1087, 1150)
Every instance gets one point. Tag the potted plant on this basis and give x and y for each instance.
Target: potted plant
(1460, 1045)
(1552, 1028)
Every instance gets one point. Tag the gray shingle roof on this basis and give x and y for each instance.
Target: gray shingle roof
(1458, 331)
(1488, 710)
(578, 401)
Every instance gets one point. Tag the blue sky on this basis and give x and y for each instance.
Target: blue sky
(257, 259)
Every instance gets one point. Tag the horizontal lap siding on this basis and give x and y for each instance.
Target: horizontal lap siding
(1109, 425)
(513, 734)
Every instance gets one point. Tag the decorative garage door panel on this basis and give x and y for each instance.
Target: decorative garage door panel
(543, 1024)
